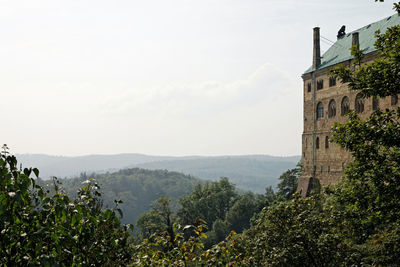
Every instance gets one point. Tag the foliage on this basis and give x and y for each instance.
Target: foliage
(158, 219)
(208, 202)
(294, 232)
(37, 228)
(161, 250)
(250, 173)
(217, 203)
(137, 188)
(288, 182)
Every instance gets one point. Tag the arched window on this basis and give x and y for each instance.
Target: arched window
(332, 109)
(320, 110)
(326, 142)
(359, 104)
(375, 103)
(317, 143)
(345, 106)
(393, 100)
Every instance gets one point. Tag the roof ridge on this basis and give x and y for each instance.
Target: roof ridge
(339, 51)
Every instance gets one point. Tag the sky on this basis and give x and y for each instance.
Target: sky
(175, 77)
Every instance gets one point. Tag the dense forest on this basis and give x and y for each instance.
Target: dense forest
(251, 172)
(355, 223)
(136, 188)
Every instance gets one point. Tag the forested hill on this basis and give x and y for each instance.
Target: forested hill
(137, 188)
(252, 172)
(67, 167)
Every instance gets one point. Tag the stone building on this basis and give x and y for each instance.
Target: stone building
(326, 100)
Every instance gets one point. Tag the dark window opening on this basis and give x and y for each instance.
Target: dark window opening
(317, 143)
(359, 104)
(345, 106)
(394, 99)
(320, 84)
(320, 110)
(332, 81)
(308, 87)
(332, 109)
(329, 168)
(375, 103)
(326, 142)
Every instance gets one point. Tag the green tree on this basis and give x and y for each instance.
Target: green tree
(288, 182)
(240, 214)
(367, 200)
(208, 202)
(158, 219)
(50, 229)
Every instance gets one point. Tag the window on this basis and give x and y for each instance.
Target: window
(345, 106)
(317, 143)
(308, 87)
(320, 110)
(332, 81)
(359, 104)
(326, 142)
(375, 103)
(394, 99)
(332, 109)
(320, 84)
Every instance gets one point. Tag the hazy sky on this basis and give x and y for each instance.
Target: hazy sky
(165, 77)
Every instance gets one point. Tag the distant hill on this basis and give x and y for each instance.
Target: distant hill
(252, 172)
(137, 188)
(68, 167)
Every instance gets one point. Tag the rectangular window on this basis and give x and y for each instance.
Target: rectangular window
(320, 84)
(308, 87)
(332, 81)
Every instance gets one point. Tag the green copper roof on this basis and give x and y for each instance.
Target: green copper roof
(340, 50)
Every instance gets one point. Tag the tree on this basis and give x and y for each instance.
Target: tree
(158, 219)
(367, 200)
(240, 214)
(288, 182)
(208, 202)
(49, 229)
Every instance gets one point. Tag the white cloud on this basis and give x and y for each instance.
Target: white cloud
(189, 101)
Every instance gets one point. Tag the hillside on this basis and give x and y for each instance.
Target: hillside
(252, 172)
(137, 188)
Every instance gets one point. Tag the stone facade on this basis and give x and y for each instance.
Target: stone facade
(326, 101)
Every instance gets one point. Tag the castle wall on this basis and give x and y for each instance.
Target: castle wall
(330, 160)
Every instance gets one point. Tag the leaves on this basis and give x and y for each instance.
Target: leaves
(43, 228)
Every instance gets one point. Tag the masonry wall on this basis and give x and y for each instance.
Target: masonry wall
(330, 159)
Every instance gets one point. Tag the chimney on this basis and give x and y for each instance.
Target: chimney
(355, 40)
(316, 49)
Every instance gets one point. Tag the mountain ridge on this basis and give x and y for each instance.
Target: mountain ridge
(248, 172)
